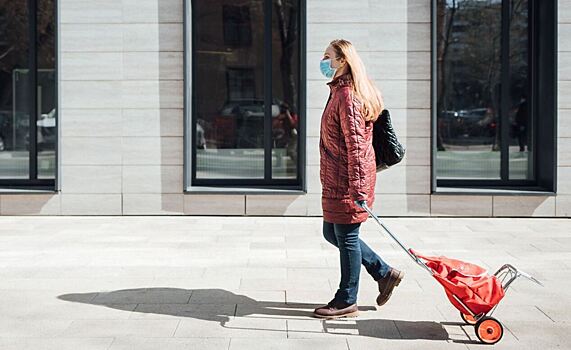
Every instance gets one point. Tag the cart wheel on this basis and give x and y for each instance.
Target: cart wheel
(469, 319)
(489, 330)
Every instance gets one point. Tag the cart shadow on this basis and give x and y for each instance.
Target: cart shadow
(224, 308)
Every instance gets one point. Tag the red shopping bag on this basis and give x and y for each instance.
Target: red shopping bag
(468, 282)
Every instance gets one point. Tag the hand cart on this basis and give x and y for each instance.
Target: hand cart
(469, 287)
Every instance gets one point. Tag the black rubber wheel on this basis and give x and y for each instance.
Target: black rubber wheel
(489, 330)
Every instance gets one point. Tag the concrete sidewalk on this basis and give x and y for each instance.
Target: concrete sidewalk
(97, 283)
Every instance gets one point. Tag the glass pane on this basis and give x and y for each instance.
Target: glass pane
(285, 66)
(521, 127)
(229, 88)
(46, 88)
(15, 100)
(469, 72)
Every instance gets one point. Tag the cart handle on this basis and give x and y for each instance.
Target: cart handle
(415, 258)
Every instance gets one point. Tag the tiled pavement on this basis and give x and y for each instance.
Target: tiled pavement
(166, 283)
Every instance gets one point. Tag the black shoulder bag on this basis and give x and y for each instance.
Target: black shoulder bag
(388, 150)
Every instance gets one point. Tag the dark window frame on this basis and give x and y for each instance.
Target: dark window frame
(267, 183)
(543, 74)
(33, 182)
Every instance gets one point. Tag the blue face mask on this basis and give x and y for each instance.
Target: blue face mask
(326, 68)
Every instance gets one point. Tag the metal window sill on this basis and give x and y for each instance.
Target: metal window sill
(27, 191)
(240, 190)
(492, 191)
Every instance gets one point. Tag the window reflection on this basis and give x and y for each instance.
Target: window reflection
(469, 88)
(14, 90)
(229, 89)
(18, 98)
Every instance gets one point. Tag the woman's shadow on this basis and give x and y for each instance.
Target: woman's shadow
(222, 306)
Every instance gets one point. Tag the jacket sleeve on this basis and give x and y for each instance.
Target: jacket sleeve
(353, 126)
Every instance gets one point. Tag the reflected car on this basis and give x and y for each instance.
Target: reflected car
(240, 124)
(47, 132)
(468, 126)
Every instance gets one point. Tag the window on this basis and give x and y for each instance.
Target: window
(237, 25)
(245, 111)
(494, 88)
(28, 115)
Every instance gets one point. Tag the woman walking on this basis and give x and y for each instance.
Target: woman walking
(348, 176)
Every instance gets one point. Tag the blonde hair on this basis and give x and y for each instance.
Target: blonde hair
(363, 86)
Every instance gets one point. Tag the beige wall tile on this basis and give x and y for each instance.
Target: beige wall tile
(564, 66)
(317, 94)
(171, 94)
(141, 94)
(399, 37)
(401, 205)
(312, 150)
(449, 205)
(153, 37)
(152, 150)
(563, 180)
(91, 94)
(153, 65)
(405, 94)
(402, 179)
(564, 123)
(89, 11)
(91, 37)
(152, 179)
(91, 179)
(371, 36)
(198, 204)
(313, 121)
(30, 204)
(90, 122)
(398, 65)
(91, 150)
(524, 206)
(276, 205)
(400, 11)
(141, 37)
(564, 37)
(91, 204)
(153, 204)
(152, 11)
(564, 11)
(417, 151)
(313, 181)
(564, 94)
(563, 205)
(411, 122)
(152, 94)
(319, 35)
(91, 66)
(314, 204)
(152, 122)
(328, 11)
(564, 151)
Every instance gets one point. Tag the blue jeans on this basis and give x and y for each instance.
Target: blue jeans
(352, 252)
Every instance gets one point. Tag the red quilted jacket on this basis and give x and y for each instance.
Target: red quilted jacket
(347, 160)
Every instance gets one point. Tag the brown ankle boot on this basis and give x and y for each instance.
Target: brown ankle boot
(336, 310)
(387, 284)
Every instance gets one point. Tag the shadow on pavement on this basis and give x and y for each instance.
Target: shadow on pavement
(222, 306)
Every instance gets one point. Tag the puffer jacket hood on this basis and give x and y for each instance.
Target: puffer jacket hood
(347, 167)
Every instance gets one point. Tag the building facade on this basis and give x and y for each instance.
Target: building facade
(195, 107)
